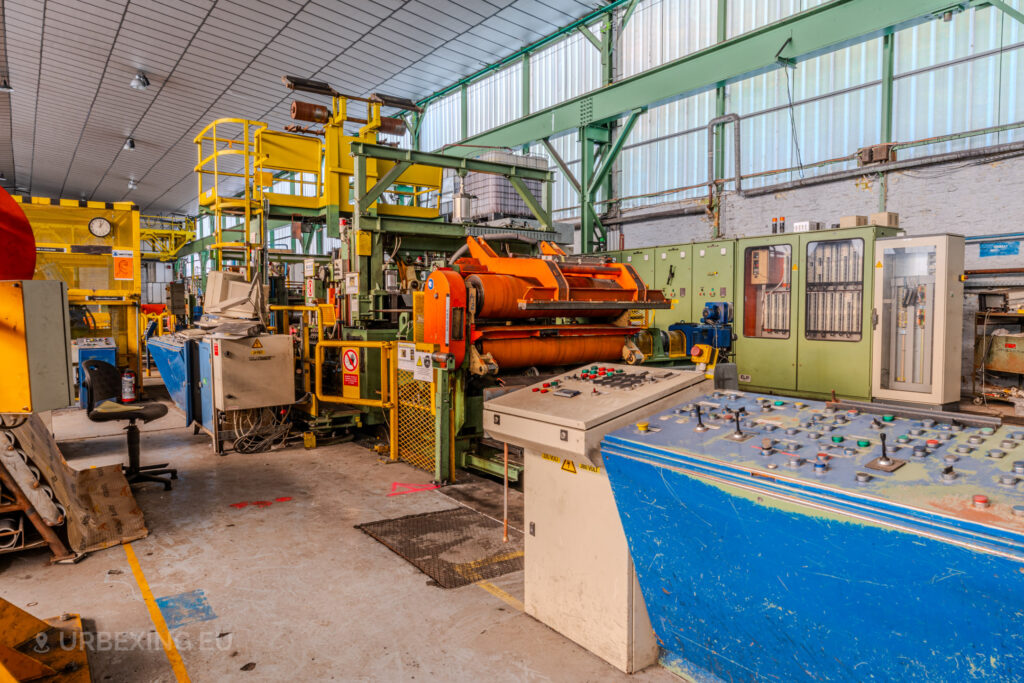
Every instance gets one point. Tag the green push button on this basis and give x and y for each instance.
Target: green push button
(837, 439)
(780, 403)
(619, 372)
(888, 418)
(863, 443)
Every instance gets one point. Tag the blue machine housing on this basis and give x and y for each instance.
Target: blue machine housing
(714, 328)
(764, 556)
(187, 371)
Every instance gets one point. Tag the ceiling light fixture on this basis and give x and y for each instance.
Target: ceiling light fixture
(5, 85)
(132, 184)
(140, 82)
(129, 144)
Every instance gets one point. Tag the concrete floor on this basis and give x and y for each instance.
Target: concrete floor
(296, 592)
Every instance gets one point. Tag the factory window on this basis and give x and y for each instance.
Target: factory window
(834, 290)
(766, 291)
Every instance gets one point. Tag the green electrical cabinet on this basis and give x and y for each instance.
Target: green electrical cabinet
(802, 314)
(642, 261)
(712, 279)
(765, 314)
(834, 316)
(673, 275)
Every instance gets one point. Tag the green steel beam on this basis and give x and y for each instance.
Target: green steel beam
(630, 8)
(365, 149)
(564, 167)
(1006, 9)
(526, 85)
(888, 64)
(589, 35)
(464, 111)
(608, 158)
(805, 35)
(538, 211)
(381, 186)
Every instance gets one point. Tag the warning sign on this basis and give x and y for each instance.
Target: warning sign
(423, 370)
(124, 264)
(257, 348)
(569, 466)
(350, 373)
(256, 344)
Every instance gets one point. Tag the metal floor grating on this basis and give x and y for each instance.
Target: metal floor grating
(454, 547)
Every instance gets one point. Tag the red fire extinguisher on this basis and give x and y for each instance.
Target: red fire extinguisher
(128, 387)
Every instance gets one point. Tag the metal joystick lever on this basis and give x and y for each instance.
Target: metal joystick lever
(884, 460)
(738, 434)
(700, 423)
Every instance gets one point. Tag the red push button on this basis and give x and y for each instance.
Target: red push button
(980, 501)
(536, 388)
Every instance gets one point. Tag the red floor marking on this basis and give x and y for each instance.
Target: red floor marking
(410, 488)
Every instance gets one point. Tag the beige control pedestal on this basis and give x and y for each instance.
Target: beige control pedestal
(579, 576)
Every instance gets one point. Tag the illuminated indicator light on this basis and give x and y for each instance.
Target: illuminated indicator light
(546, 385)
(543, 391)
(536, 388)
(863, 443)
(837, 439)
(780, 403)
(888, 418)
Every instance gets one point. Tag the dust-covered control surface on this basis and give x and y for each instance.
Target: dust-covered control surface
(453, 547)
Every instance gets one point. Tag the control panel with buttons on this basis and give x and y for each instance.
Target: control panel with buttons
(942, 464)
(797, 539)
(577, 402)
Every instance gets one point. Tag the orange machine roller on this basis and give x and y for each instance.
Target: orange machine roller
(529, 311)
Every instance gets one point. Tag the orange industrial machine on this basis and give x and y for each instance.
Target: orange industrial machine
(509, 312)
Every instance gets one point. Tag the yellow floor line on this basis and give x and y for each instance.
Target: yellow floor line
(177, 665)
(510, 600)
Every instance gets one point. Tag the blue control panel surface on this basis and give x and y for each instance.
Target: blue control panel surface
(774, 538)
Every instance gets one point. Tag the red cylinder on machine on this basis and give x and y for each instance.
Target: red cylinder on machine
(128, 387)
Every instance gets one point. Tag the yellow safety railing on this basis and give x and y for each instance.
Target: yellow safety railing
(388, 382)
(222, 157)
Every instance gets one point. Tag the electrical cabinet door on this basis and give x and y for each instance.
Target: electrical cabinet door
(919, 311)
(765, 312)
(712, 274)
(834, 316)
(672, 275)
(642, 261)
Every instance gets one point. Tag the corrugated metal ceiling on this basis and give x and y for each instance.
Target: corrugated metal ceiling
(70, 62)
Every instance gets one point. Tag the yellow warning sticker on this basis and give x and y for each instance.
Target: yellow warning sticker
(256, 344)
(590, 468)
(552, 458)
(568, 466)
(878, 265)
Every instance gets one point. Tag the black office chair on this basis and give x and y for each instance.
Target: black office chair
(103, 383)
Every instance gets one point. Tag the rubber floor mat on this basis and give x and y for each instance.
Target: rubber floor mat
(453, 547)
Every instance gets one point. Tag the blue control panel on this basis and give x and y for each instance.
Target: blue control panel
(781, 538)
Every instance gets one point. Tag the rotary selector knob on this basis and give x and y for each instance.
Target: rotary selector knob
(1008, 480)
(1007, 444)
(996, 453)
(963, 449)
(974, 439)
(863, 477)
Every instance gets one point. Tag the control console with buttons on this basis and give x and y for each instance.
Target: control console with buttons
(578, 578)
(842, 525)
